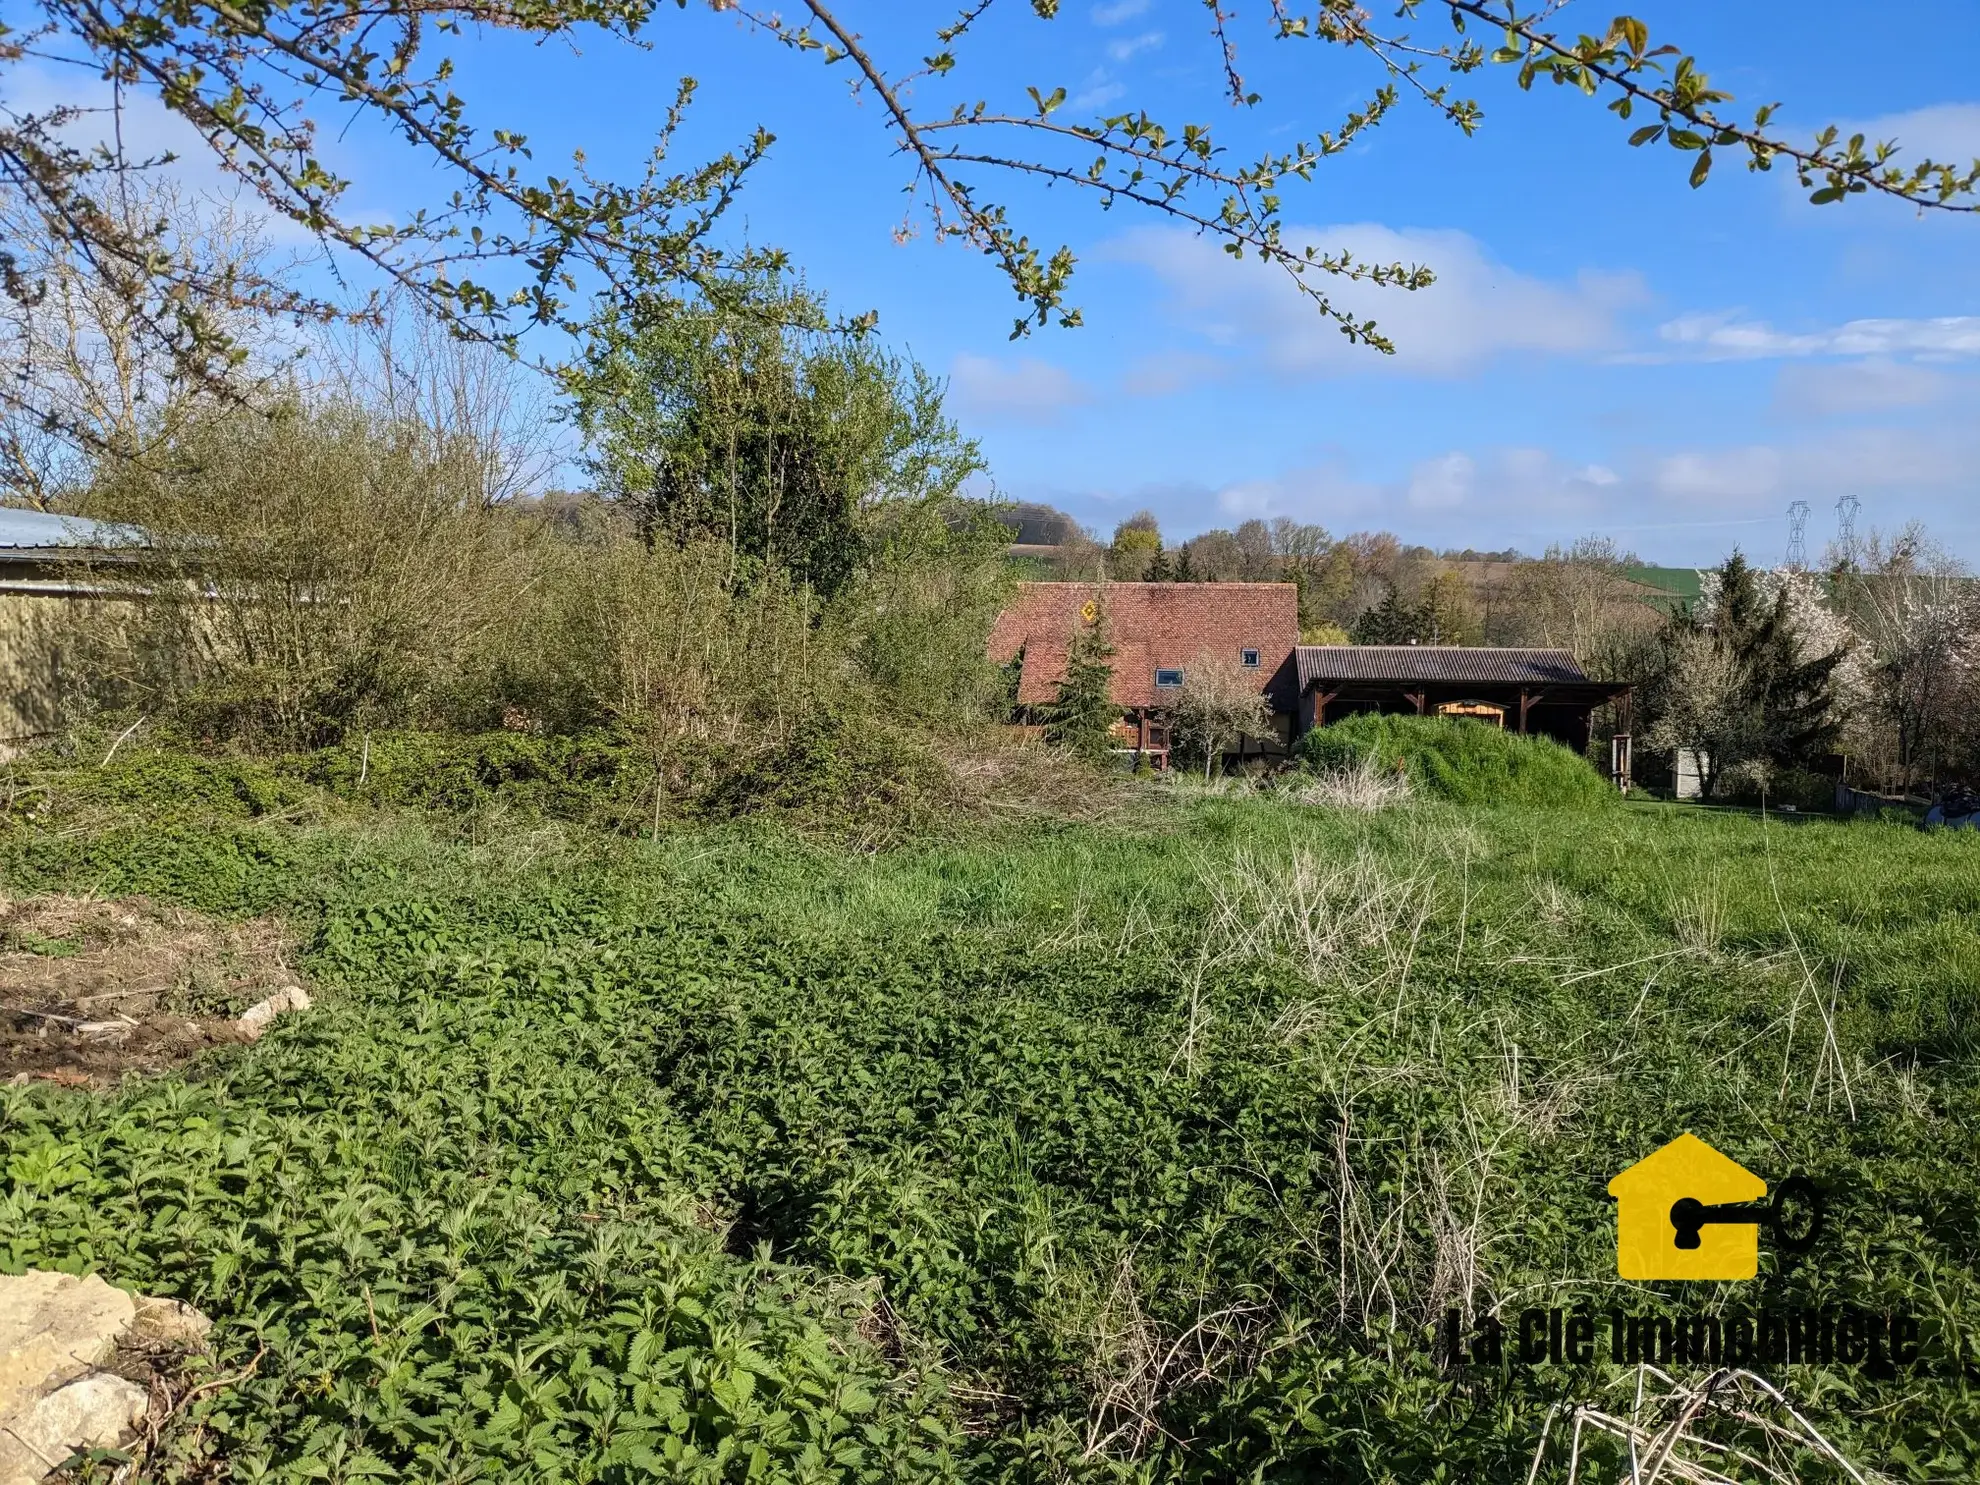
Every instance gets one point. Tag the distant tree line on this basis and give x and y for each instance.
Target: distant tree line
(1369, 587)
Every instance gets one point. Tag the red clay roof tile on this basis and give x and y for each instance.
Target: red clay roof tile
(1151, 625)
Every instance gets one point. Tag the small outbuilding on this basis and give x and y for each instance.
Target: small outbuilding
(47, 565)
(1529, 691)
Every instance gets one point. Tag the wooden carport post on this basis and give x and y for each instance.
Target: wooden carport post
(1525, 701)
(1417, 700)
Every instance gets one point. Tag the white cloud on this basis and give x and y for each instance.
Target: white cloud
(1127, 46)
(1719, 477)
(1680, 505)
(1946, 132)
(1099, 89)
(1479, 309)
(1726, 337)
(1167, 372)
(1442, 483)
(1823, 389)
(1942, 460)
(1118, 11)
(1455, 492)
(1026, 390)
(1328, 492)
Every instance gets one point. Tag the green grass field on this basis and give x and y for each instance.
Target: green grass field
(1149, 1150)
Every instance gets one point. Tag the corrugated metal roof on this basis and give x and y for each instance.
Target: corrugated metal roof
(43, 531)
(1435, 663)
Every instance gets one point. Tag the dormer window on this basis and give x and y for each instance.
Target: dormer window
(1169, 677)
(1249, 659)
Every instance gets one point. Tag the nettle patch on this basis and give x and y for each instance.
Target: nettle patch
(1080, 1154)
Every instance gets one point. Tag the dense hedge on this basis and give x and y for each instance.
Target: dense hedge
(843, 776)
(1461, 761)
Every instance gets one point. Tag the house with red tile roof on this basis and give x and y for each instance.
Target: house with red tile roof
(1157, 630)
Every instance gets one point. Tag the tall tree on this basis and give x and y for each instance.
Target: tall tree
(1737, 684)
(1260, 563)
(1576, 598)
(1918, 611)
(87, 376)
(1081, 716)
(1137, 545)
(747, 417)
(1394, 622)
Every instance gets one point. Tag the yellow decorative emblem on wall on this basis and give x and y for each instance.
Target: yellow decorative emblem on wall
(1089, 612)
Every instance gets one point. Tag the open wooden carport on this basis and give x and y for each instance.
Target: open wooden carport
(1544, 692)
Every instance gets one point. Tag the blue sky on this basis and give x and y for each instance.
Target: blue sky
(1606, 351)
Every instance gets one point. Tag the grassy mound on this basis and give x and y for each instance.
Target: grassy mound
(1461, 761)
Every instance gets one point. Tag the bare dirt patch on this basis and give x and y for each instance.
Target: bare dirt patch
(91, 990)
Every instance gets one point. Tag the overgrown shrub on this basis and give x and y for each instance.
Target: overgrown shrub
(306, 571)
(661, 641)
(340, 574)
(1466, 762)
(590, 776)
(842, 774)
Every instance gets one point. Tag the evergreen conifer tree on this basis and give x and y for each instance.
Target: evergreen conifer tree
(1081, 717)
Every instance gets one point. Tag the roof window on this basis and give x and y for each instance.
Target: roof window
(1169, 677)
(1249, 659)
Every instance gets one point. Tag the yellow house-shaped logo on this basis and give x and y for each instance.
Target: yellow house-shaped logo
(1650, 1244)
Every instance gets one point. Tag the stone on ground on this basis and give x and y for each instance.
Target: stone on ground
(56, 1333)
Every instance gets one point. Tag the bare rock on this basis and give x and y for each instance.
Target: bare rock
(54, 1328)
(168, 1323)
(56, 1332)
(257, 1018)
(99, 1411)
